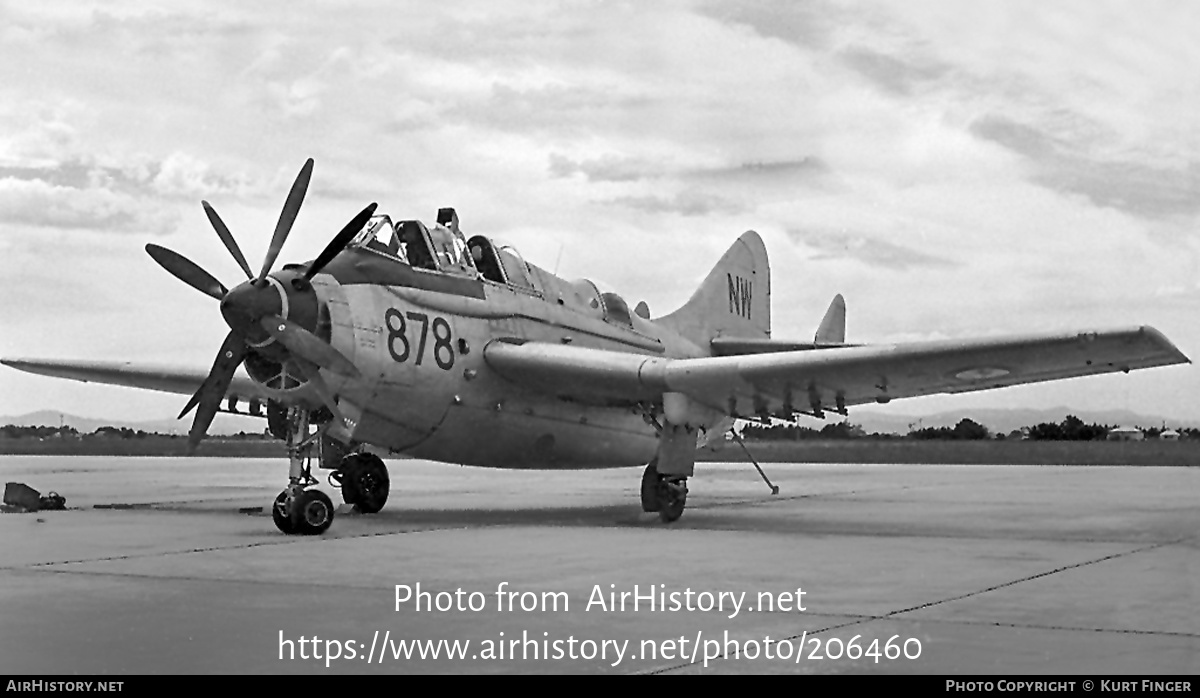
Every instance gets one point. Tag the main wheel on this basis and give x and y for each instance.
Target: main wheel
(650, 480)
(312, 512)
(672, 496)
(365, 482)
(280, 515)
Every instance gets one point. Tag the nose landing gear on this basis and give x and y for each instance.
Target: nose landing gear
(298, 510)
(308, 514)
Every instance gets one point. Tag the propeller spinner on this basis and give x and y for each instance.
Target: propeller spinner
(257, 310)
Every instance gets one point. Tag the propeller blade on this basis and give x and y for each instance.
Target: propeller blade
(313, 376)
(213, 389)
(192, 402)
(227, 238)
(339, 241)
(187, 271)
(287, 217)
(306, 345)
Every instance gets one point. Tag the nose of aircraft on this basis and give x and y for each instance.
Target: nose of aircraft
(271, 314)
(284, 294)
(248, 302)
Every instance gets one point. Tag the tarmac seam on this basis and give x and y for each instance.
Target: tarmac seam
(891, 615)
(188, 578)
(1039, 575)
(1072, 628)
(244, 546)
(378, 534)
(831, 494)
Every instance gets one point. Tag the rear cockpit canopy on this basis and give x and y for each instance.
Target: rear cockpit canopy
(611, 306)
(502, 265)
(616, 310)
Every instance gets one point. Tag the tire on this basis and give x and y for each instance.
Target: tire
(365, 482)
(650, 487)
(282, 521)
(312, 513)
(671, 500)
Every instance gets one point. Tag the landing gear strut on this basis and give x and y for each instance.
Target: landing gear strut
(666, 494)
(298, 510)
(364, 481)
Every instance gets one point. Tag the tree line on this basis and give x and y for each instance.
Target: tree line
(1071, 428)
(12, 431)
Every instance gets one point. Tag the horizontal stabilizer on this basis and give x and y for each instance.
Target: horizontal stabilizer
(736, 346)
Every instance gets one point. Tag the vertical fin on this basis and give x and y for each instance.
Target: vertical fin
(734, 300)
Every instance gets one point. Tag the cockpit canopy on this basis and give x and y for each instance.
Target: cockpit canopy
(438, 249)
(502, 265)
(443, 248)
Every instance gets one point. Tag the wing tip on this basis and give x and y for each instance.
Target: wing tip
(23, 364)
(1156, 336)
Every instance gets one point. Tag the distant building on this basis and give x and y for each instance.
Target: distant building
(1126, 434)
(1169, 435)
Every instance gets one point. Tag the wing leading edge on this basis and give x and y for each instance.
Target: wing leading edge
(168, 379)
(773, 382)
(779, 382)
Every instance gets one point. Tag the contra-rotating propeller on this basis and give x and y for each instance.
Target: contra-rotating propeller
(257, 310)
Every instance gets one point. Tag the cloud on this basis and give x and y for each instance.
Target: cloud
(39, 203)
(685, 203)
(556, 108)
(894, 75)
(1063, 163)
(609, 168)
(805, 23)
(613, 168)
(838, 245)
(182, 175)
(133, 197)
(802, 168)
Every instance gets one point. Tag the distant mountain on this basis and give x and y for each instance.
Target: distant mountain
(223, 424)
(1006, 420)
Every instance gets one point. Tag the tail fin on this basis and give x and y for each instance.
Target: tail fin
(733, 301)
(833, 325)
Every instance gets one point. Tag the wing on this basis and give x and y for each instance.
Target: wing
(788, 381)
(166, 379)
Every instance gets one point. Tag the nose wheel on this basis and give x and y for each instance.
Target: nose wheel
(308, 514)
(299, 510)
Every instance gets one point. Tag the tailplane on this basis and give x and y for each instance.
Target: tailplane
(733, 301)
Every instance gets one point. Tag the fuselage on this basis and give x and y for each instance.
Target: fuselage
(417, 333)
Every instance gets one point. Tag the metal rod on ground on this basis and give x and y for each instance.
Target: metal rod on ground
(738, 438)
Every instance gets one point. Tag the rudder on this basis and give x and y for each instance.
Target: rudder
(733, 301)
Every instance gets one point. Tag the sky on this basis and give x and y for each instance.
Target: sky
(955, 168)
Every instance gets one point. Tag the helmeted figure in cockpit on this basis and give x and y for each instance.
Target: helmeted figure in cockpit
(411, 235)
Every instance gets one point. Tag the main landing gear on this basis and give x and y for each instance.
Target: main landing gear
(664, 484)
(364, 481)
(666, 494)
